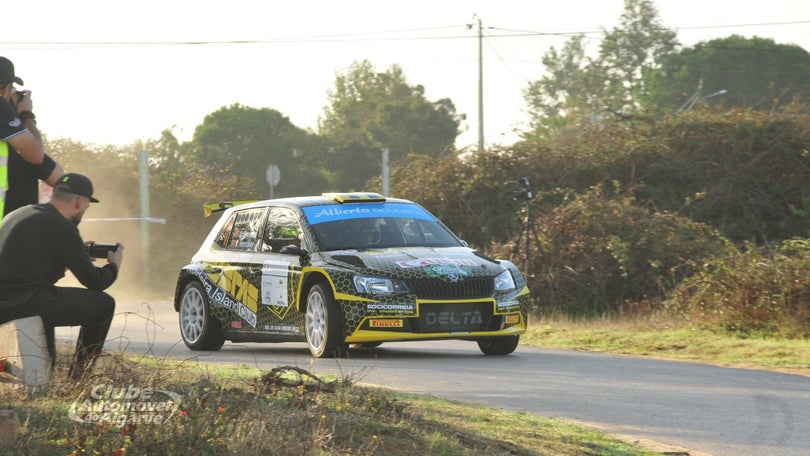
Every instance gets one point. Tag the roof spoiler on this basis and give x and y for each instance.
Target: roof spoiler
(363, 197)
(210, 208)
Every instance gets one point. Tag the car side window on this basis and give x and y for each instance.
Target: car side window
(222, 237)
(282, 229)
(241, 231)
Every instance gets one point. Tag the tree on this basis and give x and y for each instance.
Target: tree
(631, 51)
(250, 139)
(580, 88)
(749, 73)
(369, 111)
(567, 90)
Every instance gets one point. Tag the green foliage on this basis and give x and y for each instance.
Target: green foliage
(755, 72)
(578, 89)
(247, 140)
(761, 291)
(630, 51)
(370, 111)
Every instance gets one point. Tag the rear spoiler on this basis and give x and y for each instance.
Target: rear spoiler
(210, 208)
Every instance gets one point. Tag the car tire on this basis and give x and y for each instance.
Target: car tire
(323, 326)
(200, 330)
(502, 345)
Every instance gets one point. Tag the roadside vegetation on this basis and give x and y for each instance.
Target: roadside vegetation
(241, 410)
(667, 338)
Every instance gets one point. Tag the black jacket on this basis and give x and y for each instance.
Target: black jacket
(37, 245)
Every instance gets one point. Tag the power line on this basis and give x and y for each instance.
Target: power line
(757, 24)
(365, 36)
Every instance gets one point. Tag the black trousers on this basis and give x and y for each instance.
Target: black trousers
(67, 306)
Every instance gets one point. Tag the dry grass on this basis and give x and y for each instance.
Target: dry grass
(664, 337)
(240, 410)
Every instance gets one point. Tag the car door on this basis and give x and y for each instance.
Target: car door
(280, 272)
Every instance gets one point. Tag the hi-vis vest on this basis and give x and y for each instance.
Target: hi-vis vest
(3, 177)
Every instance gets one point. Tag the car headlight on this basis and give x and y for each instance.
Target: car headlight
(379, 285)
(504, 282)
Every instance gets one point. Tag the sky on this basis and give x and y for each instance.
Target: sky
(115, 72)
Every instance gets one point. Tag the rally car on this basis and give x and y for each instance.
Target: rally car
(344, 269)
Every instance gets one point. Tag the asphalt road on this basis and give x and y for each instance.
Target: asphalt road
(673, 406)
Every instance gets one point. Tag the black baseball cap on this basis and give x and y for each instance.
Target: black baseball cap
(7, 72)
(75, 184)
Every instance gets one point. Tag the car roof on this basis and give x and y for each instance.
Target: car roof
(325, 199)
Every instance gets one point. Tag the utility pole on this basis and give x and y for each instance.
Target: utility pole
(143, 172)
(386, 173)
(480, 82)
(480, 88)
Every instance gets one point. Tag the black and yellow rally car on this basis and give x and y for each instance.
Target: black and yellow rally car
(342, 269)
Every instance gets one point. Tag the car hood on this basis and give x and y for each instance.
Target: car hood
(417, 262)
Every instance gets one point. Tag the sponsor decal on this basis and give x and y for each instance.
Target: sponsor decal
(344, 252)
(453, 318)
(220, 295)
(120, 406)
(423, 262)
(512, 319)
(321, 214)
(388, 323)
(409, 308)
(274, 283)
(236, 324)
(449, 272)
(512, 303)
(287, 329)
(377, 308)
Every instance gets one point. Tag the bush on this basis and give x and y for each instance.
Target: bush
(601, 253)
(760, 291)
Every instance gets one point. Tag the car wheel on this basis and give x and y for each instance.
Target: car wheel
(324, 323)
(502, 345)
(199, 329)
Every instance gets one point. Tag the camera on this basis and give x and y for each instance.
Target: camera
(97, 250)
(525, 193)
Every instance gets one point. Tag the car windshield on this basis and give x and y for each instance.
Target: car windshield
(381, 233)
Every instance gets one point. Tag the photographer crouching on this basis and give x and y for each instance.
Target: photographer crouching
(37, 244)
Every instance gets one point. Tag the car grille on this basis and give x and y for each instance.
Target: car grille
(455, 317)
(474, 288)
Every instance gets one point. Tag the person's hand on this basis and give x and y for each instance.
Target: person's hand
(22, 101)
(87, 245)
(116, 257)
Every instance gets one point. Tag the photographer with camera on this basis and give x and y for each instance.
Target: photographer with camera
(23, 162)
(37, 244)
